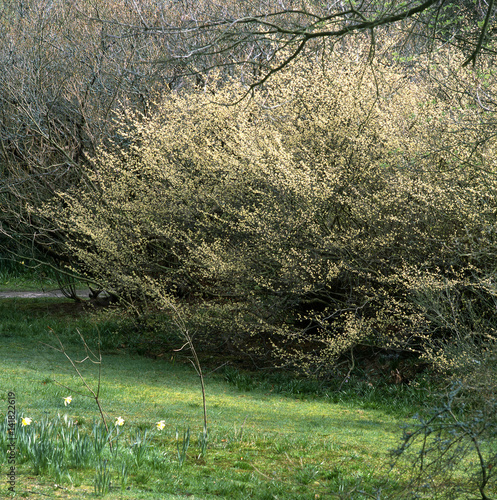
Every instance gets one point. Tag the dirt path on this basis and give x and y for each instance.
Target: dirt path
(9, 294)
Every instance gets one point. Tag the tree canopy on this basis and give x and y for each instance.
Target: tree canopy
(263, 37)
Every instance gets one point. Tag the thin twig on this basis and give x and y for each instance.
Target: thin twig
(97, 361)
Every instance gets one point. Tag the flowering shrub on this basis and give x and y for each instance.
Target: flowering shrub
(309, 216)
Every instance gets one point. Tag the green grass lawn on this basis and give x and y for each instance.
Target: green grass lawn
(261, 443)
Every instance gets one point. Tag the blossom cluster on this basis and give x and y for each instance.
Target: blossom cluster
(26, 421)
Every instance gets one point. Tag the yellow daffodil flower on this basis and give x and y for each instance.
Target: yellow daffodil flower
(67, 401)
(119, 421)
(160, 425)
(26, 421)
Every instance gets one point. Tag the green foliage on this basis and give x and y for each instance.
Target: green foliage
(54, 446)
(139, 444)
(23, 274)
(203, 441)
(100, 438)
(182, 446)
(101, 482)
(123, 476)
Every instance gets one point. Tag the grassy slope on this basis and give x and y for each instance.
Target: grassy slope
(261, 444)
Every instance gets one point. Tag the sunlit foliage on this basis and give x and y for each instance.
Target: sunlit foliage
(310, 219)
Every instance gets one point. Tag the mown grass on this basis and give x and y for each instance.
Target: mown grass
(266, 440)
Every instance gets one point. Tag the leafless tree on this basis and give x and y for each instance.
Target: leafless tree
(261, 37)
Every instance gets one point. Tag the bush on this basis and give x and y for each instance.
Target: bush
(65, 68)
(300, 223)
(451, 452)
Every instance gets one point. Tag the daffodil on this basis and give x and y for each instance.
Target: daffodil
(67, 401)
(119, 421)
(160, 425)
(26, 421)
